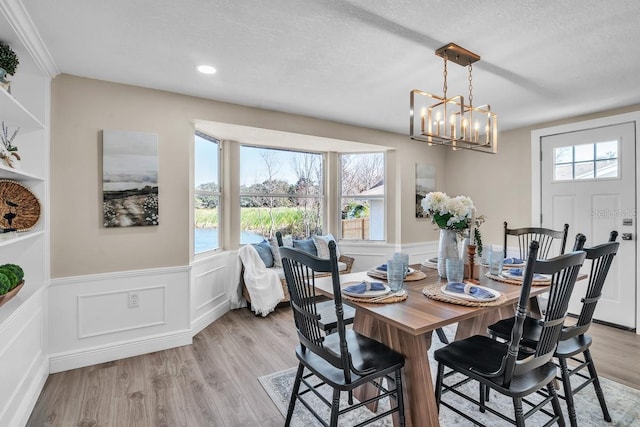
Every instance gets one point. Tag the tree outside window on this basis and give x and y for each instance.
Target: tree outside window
(281, 190)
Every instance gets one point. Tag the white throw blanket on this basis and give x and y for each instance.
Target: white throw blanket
(262, 283)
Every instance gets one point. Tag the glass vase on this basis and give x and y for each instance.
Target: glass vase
(447, 248)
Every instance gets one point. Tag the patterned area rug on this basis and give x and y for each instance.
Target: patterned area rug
(622, 402)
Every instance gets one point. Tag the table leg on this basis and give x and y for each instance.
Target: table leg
(419, 396)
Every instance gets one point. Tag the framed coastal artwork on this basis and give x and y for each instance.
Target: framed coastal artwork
(129, 178)
(425, 183)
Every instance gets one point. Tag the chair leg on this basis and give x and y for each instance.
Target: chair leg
(335, 407)
(596, 385)
(483, 395)
(400, 398)
(555, 402)
(439, 379)
(294, 394)
(518, 412)
(568, 393)
(441, 336)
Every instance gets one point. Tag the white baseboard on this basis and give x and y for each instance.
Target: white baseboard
(114, 351)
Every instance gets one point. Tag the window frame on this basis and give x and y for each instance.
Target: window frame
(218, 194)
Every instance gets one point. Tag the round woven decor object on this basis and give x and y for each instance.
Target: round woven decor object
(389, 300)
(517, 282)
(435, 292)
(19, 207)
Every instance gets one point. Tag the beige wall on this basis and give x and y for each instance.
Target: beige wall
(82, 107)
(500, 184)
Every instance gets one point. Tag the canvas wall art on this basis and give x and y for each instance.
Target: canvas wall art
(425, 183)
(129, 178)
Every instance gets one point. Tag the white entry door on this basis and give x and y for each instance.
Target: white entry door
(588, 182)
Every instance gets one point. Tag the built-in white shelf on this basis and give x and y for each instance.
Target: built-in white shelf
(13, 237)
(7, 172)
(13, 113)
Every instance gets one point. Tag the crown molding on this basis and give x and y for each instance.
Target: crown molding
(17, 16)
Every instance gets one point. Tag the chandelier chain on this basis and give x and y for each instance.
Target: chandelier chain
(444, 86)
(470, 86)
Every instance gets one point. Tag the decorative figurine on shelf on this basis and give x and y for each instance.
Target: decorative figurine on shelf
(8, 64)
(8, 151)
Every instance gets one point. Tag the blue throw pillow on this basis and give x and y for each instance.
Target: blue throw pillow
(306, 245)
(264, 250)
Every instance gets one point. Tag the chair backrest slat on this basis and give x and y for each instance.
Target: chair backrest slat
(601, 257)
(544, 236)
(563, 271)
(299, 270)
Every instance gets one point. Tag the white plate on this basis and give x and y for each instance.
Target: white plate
(468, 297)
(368, 294)
(536, 277)
(409, 271)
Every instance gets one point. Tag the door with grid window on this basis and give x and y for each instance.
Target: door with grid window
(588, 182)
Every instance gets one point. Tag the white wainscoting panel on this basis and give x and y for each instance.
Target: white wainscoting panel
(371, 254)
(24, 361)
(209, 279)
(90, 321)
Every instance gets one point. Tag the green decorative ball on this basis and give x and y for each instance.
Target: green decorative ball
(13, 278)
(5, 284)
(16, 269)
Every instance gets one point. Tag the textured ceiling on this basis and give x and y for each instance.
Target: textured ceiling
(356, 61)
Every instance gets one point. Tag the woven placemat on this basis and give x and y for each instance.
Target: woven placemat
(416, 275)
(435, 292)
(430, 263)
(517, 282)
(389, 300)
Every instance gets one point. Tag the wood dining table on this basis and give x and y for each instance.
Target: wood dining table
(407, 327)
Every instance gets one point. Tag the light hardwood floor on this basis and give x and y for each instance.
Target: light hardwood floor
(214, 381)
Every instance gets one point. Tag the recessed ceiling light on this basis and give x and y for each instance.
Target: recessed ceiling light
(206, 69)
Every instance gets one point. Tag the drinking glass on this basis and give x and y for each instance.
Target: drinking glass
(405, 261)
(486, 251)
(395, 274)
(455, 270)
(496, 259)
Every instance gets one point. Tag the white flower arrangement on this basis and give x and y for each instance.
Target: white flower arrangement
(449, 213)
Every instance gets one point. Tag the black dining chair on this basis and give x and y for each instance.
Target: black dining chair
(544, 236)
(342, 360)
(573, 339)
(326, 309)
(506, 367)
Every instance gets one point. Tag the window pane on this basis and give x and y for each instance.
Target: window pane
(362, 219)
(271, 171)
(206, 223)
(584, 170)
(281, 190)
(563, 172)
(563, 154)
(607, 150)
(607, 168)
(361, 172)
(207, 194)
(583, 152)
(206, 164)
(261, 217)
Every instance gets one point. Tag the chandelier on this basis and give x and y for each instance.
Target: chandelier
(450, 121)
